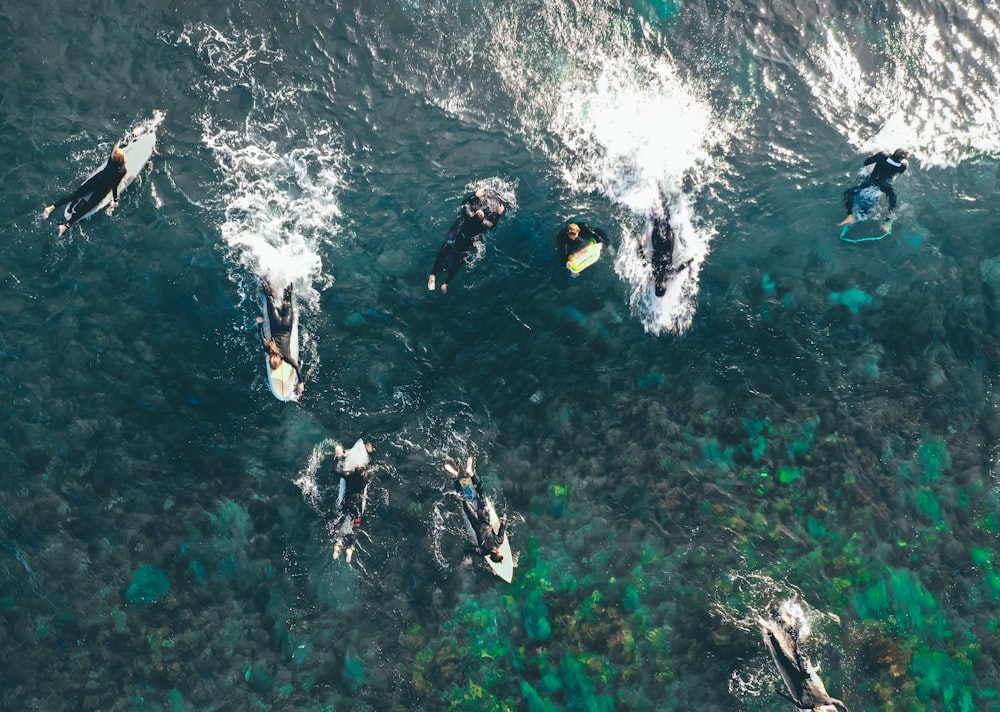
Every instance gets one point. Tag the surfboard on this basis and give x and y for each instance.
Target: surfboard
(356, 457)
(585, 257)
(138, 146)
(504, 569)
(283, 380)
(866, 230)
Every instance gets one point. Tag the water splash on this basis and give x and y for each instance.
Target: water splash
(926, 91)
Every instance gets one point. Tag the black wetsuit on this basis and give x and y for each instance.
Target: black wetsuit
(465, 233)
(281, 327)
(352, 506)
(663, 238)
(567, 246)
(479, 516)
(92, 192)
(885, 171)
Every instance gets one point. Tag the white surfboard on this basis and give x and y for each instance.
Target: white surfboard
(504, 569)
(356, 457)
(138, 146)
(283, 380)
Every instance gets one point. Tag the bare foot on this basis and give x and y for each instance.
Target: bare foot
(450, 469)
(62, 229)
(444, 288)
(430, 283)
(48, 211)
(846, 221)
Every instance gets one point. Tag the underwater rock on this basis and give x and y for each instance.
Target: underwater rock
(149, 585)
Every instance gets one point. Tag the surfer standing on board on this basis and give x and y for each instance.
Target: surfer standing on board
(885, 171)
(480, 214)
(278, 347)
(89, 195)
(487, 541)
(576, 236)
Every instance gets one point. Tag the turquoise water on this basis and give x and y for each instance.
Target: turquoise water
(799, 420)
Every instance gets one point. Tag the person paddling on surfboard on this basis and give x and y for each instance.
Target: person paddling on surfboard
(662, 239)
(89, 195)
(576, 236)
(278, 347)
(480, 214)
(883, 173)
(805, 687)
(347, 523)
(488, 542)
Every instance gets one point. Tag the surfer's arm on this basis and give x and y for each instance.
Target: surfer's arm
(260, 332)
(502, 531)
(294, 364)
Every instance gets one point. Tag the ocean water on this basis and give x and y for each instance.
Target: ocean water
(800, 422)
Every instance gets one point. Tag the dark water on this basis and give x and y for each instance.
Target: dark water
(800, 421)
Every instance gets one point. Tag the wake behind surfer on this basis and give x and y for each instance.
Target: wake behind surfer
(480, 214)
(89, 195)
(351, 506)
(488, 542)
(805, 688)
(575, 237)
(281, 321)
(886, 168)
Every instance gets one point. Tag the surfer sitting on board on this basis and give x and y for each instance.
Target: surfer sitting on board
(352, 505)
(487, 541)
(89, 195)
(480, 214)
(886, 169)
(576, 236)
(282, 321)
(805, 688)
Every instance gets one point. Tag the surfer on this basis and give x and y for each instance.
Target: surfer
(278, 347)
(89, 195)
(883, 173)
(805, 688)
(575, 237)
(480, 214)
(488, 542)
(662, 239)
(351, 504)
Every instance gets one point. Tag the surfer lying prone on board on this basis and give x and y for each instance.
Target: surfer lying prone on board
(805, 688)
(660, 234)
(480, 214)
(575, 237)
(278, 347)
(884, 172)
(347, 522)
(488, 542)
(89, 195)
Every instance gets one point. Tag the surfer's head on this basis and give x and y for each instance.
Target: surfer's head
(900, 154)
(573, 230)
(274, 361)
(495, 556)
(117, 156)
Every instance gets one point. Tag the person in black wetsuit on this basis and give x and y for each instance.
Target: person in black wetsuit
(480, 214)
(278, 347)
(575, 237)
(487, 541)
(805, 687)
(92, 192)
(347, 522)
(662, 238)
(883, 173)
